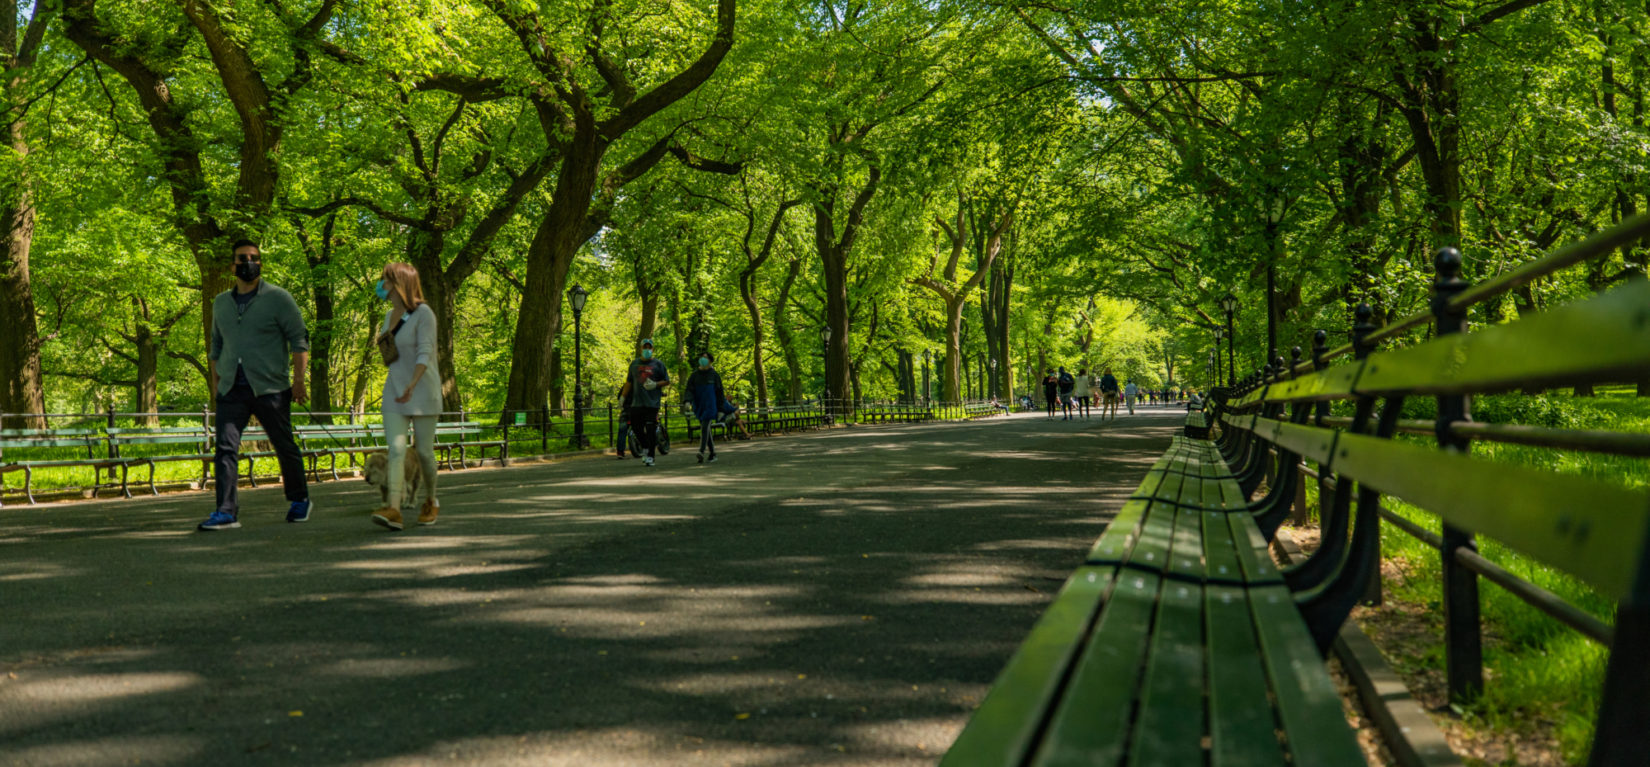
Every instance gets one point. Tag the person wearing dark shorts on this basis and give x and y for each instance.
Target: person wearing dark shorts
(256, 326)
(647, 379)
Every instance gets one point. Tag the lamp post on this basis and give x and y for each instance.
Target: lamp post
(825, 356)
(1229, 303)
(578, 296)
(1219, 334)
(991, 390)
(1274, 216)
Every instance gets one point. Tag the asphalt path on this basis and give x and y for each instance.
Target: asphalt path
(836, 597)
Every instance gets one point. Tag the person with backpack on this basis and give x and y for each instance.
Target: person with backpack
(704, 393)
(1108, 394)
(1131, 392)
(1067, 384)
(1051, 392)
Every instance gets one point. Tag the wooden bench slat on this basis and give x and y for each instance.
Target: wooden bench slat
(1219, 550)
(1334, 383)
(1243, 726)
(1091, 723)
(1001, 732)
(1170, 727)
(1307, 702)
(1604, 338)
(1577, 524)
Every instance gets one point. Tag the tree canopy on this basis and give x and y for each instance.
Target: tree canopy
(967, 192)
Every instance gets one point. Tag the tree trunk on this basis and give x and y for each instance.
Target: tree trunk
(759, 370)
(549, 257)
(1002, 283)
(424, 252)
(325, 328)
(782, 326)
(22, 388)
(838, 382)
(650, 317)
(951, 360)
(147, 399)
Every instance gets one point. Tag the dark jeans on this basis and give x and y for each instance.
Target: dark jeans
(645, 422)
(705, 440)
(274, 411)
(1065, 403)
(1049, 401)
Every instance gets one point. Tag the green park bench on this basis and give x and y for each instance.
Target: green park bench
(788, 418)
(55, 441)
(895, 412)
(197, 438)
(1197, 424)
(973, 410)
(454, 440)
(1178, 641)
(1591, 528)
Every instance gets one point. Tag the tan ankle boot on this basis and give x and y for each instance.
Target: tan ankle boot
(427, 515)
(388, 517)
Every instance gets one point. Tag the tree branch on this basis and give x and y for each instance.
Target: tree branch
(672, 90)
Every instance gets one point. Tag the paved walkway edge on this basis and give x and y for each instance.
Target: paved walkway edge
(1409, 733)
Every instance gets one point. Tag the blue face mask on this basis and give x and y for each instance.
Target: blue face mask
(647, 354)
(704, 362)
(383, 292)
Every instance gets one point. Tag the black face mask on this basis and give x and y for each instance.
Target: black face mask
(248, 270)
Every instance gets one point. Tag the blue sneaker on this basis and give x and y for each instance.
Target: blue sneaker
(220, 520)
(300, 511)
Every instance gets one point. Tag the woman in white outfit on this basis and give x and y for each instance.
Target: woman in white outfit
(412, 390)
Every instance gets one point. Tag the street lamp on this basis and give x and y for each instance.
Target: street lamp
(578, 296)
(1219, 334)
(825, 356)
(991, 391)
(1274, 216)
(1229, 303)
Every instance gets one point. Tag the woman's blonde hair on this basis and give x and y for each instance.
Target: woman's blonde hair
(402, 280)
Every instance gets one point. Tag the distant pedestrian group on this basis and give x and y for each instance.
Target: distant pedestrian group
(1070, 396)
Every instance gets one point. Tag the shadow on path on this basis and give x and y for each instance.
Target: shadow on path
(840, 597)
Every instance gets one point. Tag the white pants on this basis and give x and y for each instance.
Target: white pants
(395, 435)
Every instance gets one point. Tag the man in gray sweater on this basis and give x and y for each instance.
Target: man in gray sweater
(255, 326)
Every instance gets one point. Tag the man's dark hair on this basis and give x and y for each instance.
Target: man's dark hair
(242, 243)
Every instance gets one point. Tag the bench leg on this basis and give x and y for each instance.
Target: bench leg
(28, 484)
(124, 488)
(251, 472)
(155, 490)
(334, 457)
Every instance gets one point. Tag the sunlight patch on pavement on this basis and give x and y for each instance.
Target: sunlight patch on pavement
(41, 698)
(678, 745)
(390, 668)
(135, 749)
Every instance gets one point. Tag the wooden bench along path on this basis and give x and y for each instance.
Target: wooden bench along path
(1179, 642)
(121, 449)
(1177, 637)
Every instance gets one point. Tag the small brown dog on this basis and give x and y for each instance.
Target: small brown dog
(378, 475)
